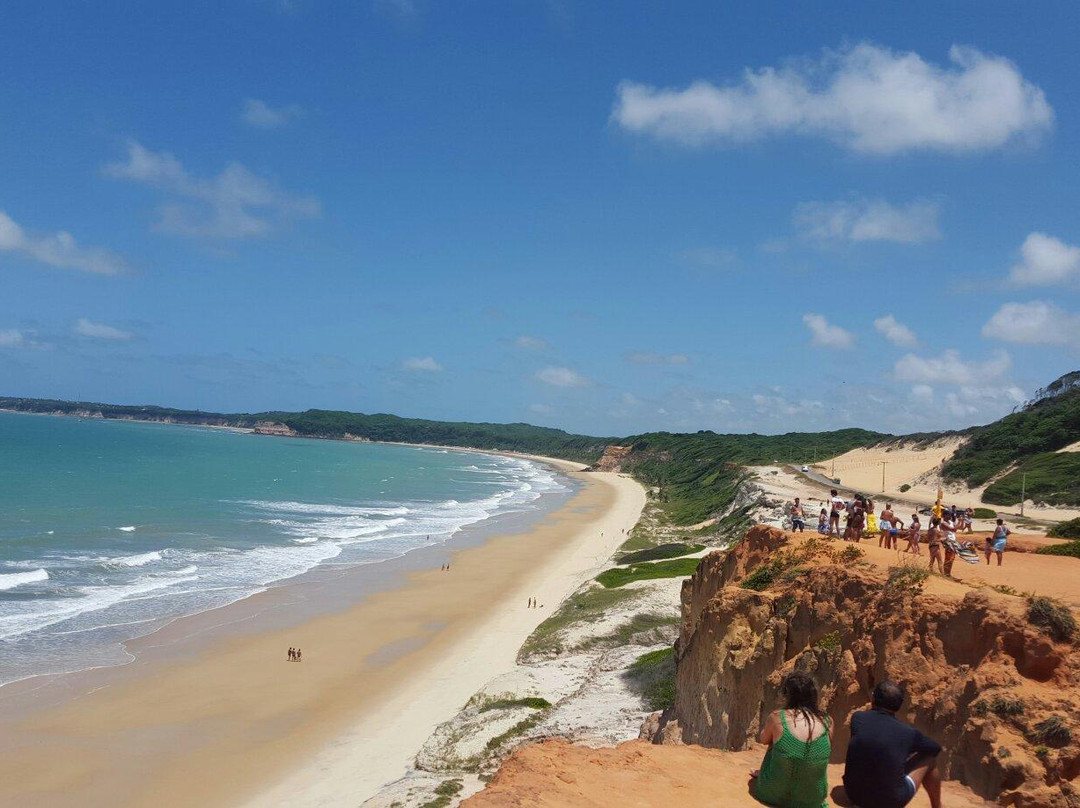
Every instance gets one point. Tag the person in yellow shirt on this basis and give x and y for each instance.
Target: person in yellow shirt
(938, 509)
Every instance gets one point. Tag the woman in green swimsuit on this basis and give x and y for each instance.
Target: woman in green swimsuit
(799, 737)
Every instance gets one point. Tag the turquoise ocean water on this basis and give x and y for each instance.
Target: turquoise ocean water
(109, 529)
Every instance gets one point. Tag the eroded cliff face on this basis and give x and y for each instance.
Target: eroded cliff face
(980, 679)
(612, 459)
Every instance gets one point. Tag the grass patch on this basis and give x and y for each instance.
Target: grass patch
(644, 628)
(661, 552)
(1001, 706)
(830, 643)
(444, 794)
(1053, 617)
(532, 702)
(985, 513)
(906, 580)
(1052, 731)
(905, 488)
(1052, 478)
(652, 676)
(1065, 530)
(520, 728)
(1071, 549)
(584, 606)
(675, 568)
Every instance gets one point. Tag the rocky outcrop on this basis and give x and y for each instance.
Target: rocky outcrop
(273, 428)
(980, 678)
(613, 459)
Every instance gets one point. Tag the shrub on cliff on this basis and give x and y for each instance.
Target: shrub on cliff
(1053, 617)
(1052, 731)
(1065, 530)
(1071, 548)
(653, 677)
(906, 580)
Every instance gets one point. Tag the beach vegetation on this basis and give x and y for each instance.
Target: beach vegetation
(829, 643)
(1053, 617)
(661, 552)
(674, 568)
(1070, 549)
(509, 703)
(905, 488)
(584, 606)
(643, 628)
(445, 792)
(1001, 706)
(519, 729)
(1065, 530)
(652, 676)
(906, 579)
(1052, 731)
(1042, 752)
(985, 513)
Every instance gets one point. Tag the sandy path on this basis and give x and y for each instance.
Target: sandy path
(219, 723)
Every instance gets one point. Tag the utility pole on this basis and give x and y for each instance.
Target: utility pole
(1023, 491)
(883, 476)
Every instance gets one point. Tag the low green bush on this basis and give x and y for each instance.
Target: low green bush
(1053, 617)
(532, 702)
(652, 676)
(985, 513)
(1001, 706)
(906, 579)
(444, 794)
(1071, 548)
(905, 488)
(661, 552)
(1052, 731)
(1065, 530)
(675, 568)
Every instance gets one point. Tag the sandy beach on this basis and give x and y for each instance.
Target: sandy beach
(211, 713)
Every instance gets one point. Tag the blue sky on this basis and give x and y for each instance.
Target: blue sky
(605, 217)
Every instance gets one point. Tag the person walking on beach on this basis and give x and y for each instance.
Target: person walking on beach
(799, 737)
(887, 760)
(298, 657)
(933, 543)
(292, 655)
(914, 529)
(836, 505)
(798, 517)
(997, 542)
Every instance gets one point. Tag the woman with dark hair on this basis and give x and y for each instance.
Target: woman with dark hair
(799, 737)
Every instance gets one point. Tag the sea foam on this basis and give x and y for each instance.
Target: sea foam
(10, 580)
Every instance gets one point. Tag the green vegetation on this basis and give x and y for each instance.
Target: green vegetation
(660, 552)
(1052, 477)
(520, 728)
(830, 643)
(1053, 617)
(985, 513)
(532, 702)
(762, 577)
(906, 580)
(1049, 423)
(1071, 548)
(1001, 706)
(653, 677)
(1042, 752)
(905, 488)
(1052, 731)
(585, 605)
(445, 792)
(644, 628)
(620, 576)
(1065, 530)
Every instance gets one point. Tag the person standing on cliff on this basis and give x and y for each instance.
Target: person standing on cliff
(798, 517)
(887, 760)
(836, 505)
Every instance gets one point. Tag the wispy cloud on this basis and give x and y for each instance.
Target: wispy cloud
(422, 364)
(653, 358)
(57, 249)
(866, 97)
(561, 377)
(12, 338)
(868, 220)
(528, 343)
(825, 335)
(1044, 261)
(896, 332)
(263, 116)
(950, 368)
(88, 328)
(235, 204)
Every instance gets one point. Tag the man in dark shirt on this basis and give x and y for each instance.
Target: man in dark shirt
(887, 760)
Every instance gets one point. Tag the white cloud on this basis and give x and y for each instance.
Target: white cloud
(260, 114)
(531, 343)
(561, 377)
(825, 335)
(1045, 260)
(57, 249)
(866, 97)
(868, 220)
(88, 328)
(540, 409)
(896, 332)
(711, 257)
(652, 358)
(922, 393)
(235, 204)
(12, 338)
(778, 406)
(422, 364)
(949, 368)
(1034, 323)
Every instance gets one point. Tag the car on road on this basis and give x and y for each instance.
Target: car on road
(805, 469)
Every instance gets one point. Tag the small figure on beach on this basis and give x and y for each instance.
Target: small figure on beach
(298, 655)
(996, 543)
(292, 654)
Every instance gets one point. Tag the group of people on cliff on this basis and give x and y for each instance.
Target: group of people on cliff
(886, 763)
(946, 524)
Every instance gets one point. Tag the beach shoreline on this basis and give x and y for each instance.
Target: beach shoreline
(379, 674)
